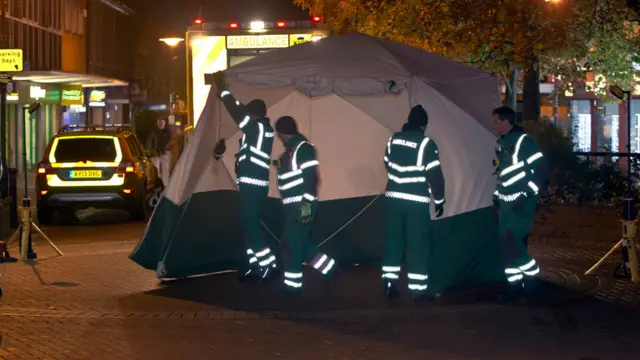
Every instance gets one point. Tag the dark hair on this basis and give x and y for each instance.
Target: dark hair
(505, 113)
(257, 107)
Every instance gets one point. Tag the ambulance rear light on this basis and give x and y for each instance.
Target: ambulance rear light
(316, 19)
(281, 24)
(233, 25)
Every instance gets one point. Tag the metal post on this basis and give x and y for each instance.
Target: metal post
(25, 170)
(171, 97)
(629, 140)
(3, 124)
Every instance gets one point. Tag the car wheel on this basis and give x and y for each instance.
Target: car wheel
(140, 210)
(45, 214)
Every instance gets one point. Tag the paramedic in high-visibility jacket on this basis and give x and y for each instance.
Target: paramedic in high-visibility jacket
(298, 184)
(252, 165)
(414, 179)
(522, 172)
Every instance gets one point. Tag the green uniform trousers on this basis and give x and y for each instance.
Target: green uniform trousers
(252, 199)
(515, 221)
(408, 225)
(298, 247)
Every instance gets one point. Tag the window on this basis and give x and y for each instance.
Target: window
(135, 151)
(93, 149)
(611, 126)
(581, 129)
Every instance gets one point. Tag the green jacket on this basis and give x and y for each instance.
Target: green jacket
(297, 171)
(254, 157)
(413, 167)
(522, 168)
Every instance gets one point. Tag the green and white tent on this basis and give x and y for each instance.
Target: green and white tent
(348, 94)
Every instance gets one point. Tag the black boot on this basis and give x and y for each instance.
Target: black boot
(391, 290)
(251, 274)
(512, 293)
(269, 273)
(530, 290)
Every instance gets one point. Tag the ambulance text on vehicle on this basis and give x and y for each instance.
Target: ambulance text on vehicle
(213, 47)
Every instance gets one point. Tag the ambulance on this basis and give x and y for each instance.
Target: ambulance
(213, 47)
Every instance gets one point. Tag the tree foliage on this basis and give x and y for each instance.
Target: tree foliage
(566, 37)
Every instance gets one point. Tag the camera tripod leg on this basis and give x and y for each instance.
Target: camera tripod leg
(633, 260)
(47, 238)
(614, 248)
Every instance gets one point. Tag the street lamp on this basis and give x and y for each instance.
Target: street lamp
(172, 42)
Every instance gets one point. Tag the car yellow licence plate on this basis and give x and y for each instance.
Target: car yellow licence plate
(85, 174)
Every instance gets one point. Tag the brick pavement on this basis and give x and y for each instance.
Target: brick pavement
(94, 303)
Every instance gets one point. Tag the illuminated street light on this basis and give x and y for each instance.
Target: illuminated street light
(553, 1)
(173, 41)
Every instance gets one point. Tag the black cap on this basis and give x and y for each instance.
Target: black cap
(257, 107)
(418, 116)
(287, 125)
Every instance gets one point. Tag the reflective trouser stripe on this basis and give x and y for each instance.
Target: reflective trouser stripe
(516, 274)
(391, 273)
(293, 280)
(252, 258)
(263, 257)
(417, 282)
(324, 264)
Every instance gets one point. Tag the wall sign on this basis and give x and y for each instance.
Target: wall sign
(71, 95)
(97, 98)
(28, 92)
(257, 41)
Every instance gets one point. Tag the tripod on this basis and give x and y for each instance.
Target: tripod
(629, 254)
(26, 211)
(26, 223)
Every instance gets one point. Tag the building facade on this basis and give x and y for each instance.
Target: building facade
(77, 63)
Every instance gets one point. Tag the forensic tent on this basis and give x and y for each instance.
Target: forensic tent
(348, 94)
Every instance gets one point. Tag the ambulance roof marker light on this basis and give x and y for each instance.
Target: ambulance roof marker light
(257, 25)
(316, 19)
(197, 21)
(233, 25)
(281, 24)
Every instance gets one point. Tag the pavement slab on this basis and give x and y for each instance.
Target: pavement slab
(94, 303)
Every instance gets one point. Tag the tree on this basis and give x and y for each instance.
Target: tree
(565, 37)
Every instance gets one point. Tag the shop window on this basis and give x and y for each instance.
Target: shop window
(581, 129)
(635, 126)
(611, 126)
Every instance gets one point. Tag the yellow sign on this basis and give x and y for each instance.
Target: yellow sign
(71, 95)
(295, 39)
(85, 174)
(257, 41)
(10, 60)
(96, 98)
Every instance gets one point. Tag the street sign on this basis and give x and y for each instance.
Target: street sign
(11, 60)
(5, 78)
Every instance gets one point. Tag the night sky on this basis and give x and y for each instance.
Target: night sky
(177, 15)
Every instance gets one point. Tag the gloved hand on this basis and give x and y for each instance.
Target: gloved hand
(218, 79)
(220, 148)
(305, 212)
(275, 163)
(439, 210)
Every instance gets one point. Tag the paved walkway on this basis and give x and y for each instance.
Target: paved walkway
(94, 303)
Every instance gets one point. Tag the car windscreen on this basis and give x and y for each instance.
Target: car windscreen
(83, 149)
